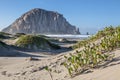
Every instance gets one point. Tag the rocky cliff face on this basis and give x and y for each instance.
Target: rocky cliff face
(39, 21)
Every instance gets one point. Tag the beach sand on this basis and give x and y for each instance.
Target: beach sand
(22, 68)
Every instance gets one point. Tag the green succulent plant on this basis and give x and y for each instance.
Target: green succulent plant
(93, 54)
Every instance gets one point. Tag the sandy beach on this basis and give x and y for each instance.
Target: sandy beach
(22, 68)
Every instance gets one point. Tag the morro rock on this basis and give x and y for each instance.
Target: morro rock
(40, 21)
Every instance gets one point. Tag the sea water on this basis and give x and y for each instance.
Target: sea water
(70, 36)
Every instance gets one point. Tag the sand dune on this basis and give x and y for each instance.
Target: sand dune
(21, 68)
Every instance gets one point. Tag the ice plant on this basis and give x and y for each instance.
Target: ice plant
(93, 54)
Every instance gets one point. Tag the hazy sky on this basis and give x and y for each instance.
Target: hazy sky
(88, 15)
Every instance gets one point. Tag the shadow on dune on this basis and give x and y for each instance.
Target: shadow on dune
(49, 52)
(14, 53)
(113, 62)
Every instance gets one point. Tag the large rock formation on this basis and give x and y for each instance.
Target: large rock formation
(39, 21)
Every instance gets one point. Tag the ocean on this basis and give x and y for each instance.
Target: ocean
(69, 36)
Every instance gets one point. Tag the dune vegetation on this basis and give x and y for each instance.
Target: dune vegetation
(35, 42)
(100, 34)
(19, 34)
(93, 54)
(4, 35)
